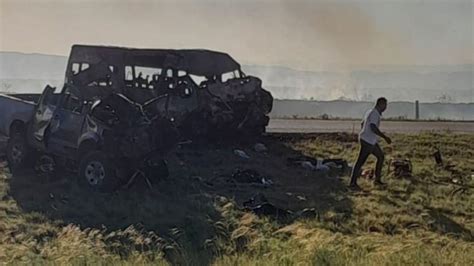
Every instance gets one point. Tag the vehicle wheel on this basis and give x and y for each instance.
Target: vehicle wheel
(17, 152)
(97, 172)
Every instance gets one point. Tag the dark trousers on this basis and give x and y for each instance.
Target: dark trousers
(365, 150)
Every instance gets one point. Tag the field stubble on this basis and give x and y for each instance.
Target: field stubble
(195, 217)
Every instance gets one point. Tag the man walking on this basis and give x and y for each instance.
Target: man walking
(368, 143)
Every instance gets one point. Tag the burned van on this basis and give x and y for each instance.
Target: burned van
(204, 93)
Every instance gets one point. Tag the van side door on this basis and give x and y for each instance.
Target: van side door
(42, 117)
(66, 123)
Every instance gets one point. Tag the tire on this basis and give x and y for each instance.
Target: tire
(18, 152)
(97, 172)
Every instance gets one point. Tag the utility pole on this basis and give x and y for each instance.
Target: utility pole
(417, 110)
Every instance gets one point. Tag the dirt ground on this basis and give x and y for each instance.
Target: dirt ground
(196, 216)
(199, 175)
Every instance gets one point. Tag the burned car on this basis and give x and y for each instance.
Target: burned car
(108, 138)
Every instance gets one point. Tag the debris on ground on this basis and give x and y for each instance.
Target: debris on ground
(308, 165)
(132, 179)
(400, 167)
(260, 206)
(260, 147)
(438, 158)
(307, 213)
(368, 173)
(298, 197)
(241, 154)
(301, 198)
(45, 164)
(250, 176)
(332, 166)
(443, 165)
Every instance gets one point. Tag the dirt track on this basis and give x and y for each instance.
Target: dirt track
(317, 126)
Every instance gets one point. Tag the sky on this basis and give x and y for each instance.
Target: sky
(302, 34)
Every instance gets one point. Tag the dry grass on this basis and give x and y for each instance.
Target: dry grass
(195, 218)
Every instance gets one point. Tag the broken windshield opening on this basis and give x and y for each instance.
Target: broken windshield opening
(230, 75)
(198, 79)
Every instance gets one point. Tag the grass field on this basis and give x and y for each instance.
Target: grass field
(195, 216)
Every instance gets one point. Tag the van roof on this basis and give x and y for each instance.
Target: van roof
(195, 61)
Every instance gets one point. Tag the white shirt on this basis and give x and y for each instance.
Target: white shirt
(372, 116)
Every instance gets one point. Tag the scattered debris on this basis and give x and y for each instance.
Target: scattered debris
(251, 176)
(438, 158)
(308, 165)
(368, 173)
(332, 166)
(241, 154)
(134, 176)
(45, 164)
(298, 197)
(400, 167)
(255, 200)
(318, 167)
(260, 147)
(446, 166)
(307, 213)
(456, 181)
(267, 182)
(260, 206)
(64, 199)
(301, 198)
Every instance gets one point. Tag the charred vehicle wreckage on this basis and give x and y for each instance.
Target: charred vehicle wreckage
(204, 93)
(122, 110)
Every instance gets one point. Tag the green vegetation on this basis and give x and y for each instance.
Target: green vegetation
(195, 217)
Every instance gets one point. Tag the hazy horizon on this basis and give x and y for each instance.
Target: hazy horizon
(22, 72)
(301, 49)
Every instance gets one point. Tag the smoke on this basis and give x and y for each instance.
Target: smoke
(348, 34)
(302, 34)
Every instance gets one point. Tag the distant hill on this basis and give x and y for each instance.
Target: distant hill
(31, 72)
(32, 66)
